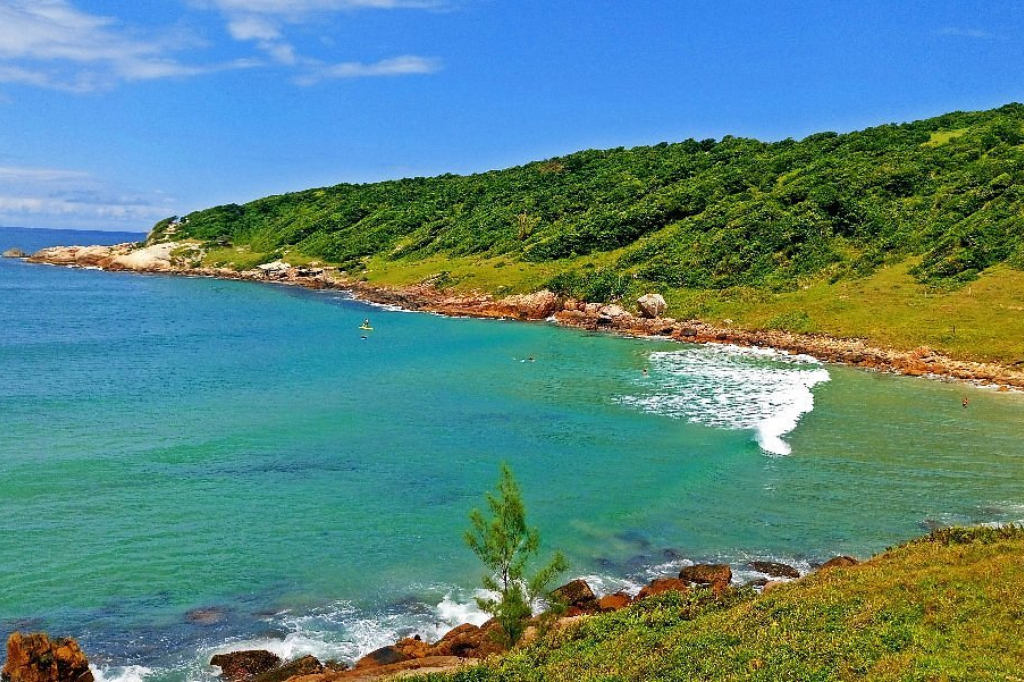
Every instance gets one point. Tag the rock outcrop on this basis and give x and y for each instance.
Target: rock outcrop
(13, 253)
(37, 658)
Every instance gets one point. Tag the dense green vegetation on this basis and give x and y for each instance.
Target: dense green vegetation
(695, 214)
(945, 607)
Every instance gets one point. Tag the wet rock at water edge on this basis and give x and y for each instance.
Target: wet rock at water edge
(775, 569)
(577, 595)
(707, 574)
(386, 655)
(307, 665)
(37, 658)
(14, 253)
(237, 666)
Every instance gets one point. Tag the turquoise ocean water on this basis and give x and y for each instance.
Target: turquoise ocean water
(192, 465)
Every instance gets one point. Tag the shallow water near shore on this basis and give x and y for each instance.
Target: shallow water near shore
(189, 465)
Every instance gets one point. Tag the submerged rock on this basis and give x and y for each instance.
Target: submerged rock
(37, 658)
(244, 665)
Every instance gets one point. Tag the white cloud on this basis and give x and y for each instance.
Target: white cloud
(396, 66)
(50, 44)
(966, 33)
(263, 23)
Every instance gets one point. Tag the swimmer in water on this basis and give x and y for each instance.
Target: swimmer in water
(645, 371)
(965, 403)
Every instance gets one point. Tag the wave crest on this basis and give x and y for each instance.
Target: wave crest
(732, 387)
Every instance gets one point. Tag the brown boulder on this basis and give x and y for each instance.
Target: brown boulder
(576, 595)
(659, 585)
(839, 562)
(707, 574)
(775, 569)
(14, 253)
(469, 641)
(614, 602)
(307, 665)
(37, 658)
(244, 665)
(412, 646)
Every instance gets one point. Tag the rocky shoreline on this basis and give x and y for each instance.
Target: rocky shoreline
(185, 259)
(38, 658)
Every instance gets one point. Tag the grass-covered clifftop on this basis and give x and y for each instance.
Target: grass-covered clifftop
(945, 607)
(735, 228)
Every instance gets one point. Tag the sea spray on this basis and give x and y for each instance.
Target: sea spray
(732, 387)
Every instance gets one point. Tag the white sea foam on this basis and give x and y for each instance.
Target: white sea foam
(127, 673)
(732, 387)
(343, 632)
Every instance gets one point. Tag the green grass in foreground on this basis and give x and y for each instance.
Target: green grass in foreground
(946, 607)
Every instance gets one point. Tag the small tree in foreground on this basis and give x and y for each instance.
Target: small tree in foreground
(505, 544)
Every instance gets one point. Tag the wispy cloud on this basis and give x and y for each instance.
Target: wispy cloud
(396, 66)
(57, 196)
(960, 32)
(50, 44)
(264, 23)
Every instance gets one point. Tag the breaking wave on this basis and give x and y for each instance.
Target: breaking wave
(732, 387)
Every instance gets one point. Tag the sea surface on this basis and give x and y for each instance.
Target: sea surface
(190, 466)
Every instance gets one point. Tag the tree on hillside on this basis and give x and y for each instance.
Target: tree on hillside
(505, 545)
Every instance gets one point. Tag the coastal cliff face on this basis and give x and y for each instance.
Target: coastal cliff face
(184, 258)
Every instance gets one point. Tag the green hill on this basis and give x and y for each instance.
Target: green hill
(946, 607)
(728, 229)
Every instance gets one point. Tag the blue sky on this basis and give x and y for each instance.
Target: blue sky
(114, 114)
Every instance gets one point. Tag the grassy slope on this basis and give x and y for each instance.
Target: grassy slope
(947, 607)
